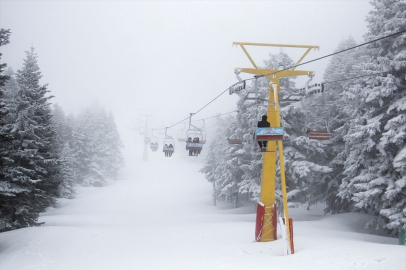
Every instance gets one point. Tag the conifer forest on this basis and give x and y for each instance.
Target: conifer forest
(45, 153)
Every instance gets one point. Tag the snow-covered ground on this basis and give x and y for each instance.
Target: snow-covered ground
(159, 215)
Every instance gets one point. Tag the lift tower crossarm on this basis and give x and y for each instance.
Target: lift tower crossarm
(308, 47)
(275, 72)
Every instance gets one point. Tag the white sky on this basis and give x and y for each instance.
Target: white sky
(165, 57)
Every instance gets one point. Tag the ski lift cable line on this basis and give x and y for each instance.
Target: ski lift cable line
(196, 120)
(200, 108)
(211, 101)
(353, 78)
(351, 48)
(215, 116)
(328, 55)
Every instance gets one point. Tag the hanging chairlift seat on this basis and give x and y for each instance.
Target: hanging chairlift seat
(234, 141)
(194, 146)
(320, 135)
(269, 134)
(169, 149)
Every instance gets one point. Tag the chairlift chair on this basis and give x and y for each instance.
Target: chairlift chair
(154, 144)
(319, 134)
(232, 137)
(194, 144)
(196, 137)
(167, 141)
(234, 141)
(266, 134)
(269, 134)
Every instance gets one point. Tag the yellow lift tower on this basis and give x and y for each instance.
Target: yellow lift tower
(269, 161)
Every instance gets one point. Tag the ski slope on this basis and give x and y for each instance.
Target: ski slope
(159, 215)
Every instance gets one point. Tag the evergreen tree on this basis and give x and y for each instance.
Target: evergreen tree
(113, 143)
(374, 177)
(340, 68)
(63, 132)
(32, 175)
(67, 173)
(4, 39)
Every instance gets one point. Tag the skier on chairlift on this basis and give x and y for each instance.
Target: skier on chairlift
(263, 124)
(166, 150)
(170, 148)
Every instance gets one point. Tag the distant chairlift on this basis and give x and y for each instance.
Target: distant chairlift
(147, 140)
(168, 144)
(195, 138)
(154, 144)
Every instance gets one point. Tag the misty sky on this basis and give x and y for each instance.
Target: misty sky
(165, 57)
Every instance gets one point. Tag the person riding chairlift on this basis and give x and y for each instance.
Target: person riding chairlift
(263, 124)
(166, 150)
(170, 152)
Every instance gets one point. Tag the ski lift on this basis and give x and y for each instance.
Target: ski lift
(317, 133)
(234, 141)
(269, 134)
(168, 144)
(154, 144)
(147, 140)
(195, 137)
(293, 97)
(317, 88)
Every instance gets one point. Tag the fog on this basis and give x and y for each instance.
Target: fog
(166, 58)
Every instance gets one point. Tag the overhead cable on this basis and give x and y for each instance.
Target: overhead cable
(316, 59)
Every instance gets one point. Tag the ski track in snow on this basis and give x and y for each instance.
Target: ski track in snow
(159, 215)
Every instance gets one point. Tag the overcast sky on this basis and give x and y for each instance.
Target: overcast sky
(165, 57)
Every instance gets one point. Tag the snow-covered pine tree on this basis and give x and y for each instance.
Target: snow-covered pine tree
(214, 156)
(81, 147)
(31, 174)
(341, 67)
(4, 39)
(5, 138)
(374, 173)
(96, 146)
(223, 164)
(67, 174)
(63, 134)
(97, 169)
(113, 143)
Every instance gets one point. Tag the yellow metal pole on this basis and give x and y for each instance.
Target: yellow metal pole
(284, 194)
(269, 172)
(268, 190)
